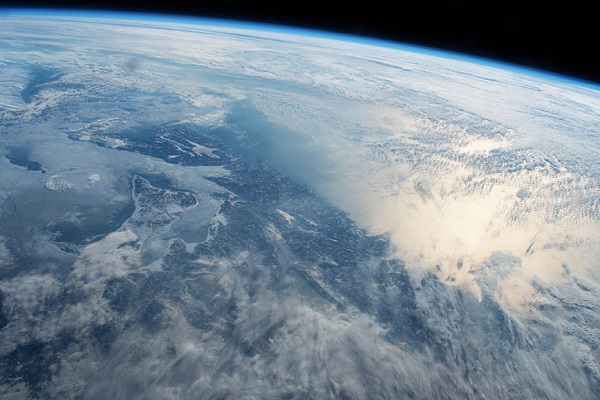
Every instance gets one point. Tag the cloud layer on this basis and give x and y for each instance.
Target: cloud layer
(349, 221)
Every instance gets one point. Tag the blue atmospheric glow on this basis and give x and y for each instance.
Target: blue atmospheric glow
(151, 18)
(142, 17)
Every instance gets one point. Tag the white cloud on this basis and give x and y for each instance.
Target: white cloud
(25, 300)
(493, 188)
(5, 255)
(57, 184)
(115, 255)
(446, 191)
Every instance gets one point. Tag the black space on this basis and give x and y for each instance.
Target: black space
(556, 36)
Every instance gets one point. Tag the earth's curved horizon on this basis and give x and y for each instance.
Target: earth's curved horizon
(194, 208)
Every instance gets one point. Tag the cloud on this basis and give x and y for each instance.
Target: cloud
(114, 255)
(277, 345)
(5, 254)
(449, 188)
(25, 300)
(464, 203)
(40, 307)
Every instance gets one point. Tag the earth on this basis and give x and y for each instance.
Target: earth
(201, 209)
